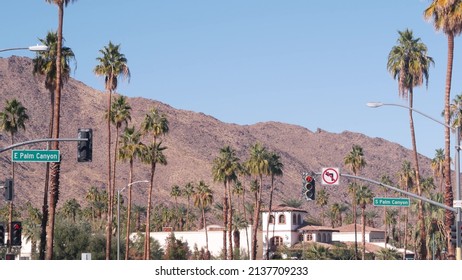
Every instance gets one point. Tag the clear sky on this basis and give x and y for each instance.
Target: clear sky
(311, 63)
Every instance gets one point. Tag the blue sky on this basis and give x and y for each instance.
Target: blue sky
(311, 63)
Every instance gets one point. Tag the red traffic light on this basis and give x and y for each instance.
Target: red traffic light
(308, 179)
(16, 226)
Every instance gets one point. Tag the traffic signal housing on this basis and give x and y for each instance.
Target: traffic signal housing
(2, 234)
(309, 188)
(16, 233)
(8, 190)
(456, 233)
(85, 147)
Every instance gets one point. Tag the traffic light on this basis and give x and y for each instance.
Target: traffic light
(2, 234)
(16, 230)
(8, 190)
(84, 148)
(309, 187)
(456, 233)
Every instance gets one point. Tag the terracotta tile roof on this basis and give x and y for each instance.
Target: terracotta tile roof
(350, 228)
(284, 208)
(317, 228)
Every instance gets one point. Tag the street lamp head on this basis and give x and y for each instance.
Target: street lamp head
(374, 104)
(39, 48)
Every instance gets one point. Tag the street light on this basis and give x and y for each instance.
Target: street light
(118, 214)
(457, 158)
(37, 48)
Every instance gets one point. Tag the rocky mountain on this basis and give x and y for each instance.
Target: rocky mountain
(193, 142)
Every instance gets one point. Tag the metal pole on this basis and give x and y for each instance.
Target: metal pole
(458, 217)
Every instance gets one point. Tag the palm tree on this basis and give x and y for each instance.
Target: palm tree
(409, 63)
(387, 254)
(45, 65)
(112, 65)
(355, 162)
(437, 166)
(12, 118)
(156, 125)
(130, 149)
(275, 169)
(203, 197)
(55, 166)
(225, 169)
(119, 115)
(71, 208)
(322, 199)
(406, 180)
(364, 196)
(385, 179)
(188, 191)
(257, 165)
(446, 16)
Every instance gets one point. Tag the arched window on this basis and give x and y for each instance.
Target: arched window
(282, 219)
(271, 219)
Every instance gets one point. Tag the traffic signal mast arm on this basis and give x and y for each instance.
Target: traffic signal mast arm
(39, 141)
(455, 210)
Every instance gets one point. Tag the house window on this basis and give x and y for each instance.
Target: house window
(309, 237)
(299, 219)
(282, 219)
(294, 219)
(277, 241)
(271, 219)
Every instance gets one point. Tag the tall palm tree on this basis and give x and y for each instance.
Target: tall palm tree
(112, 65)
(406, 181)
(55, 166)
(257, 165)
(409, 63)
(322, 199)
(225, 169)
(187, 192)
(447, 17)
(12, 118)
(203, 197)
(155, 124)
(385, 179)
(71, 208)
(239, 190)
(275, 167)
(355, 162)
(45, 65)
(437, 166)
(364, 196)
(130, 149)
(119, 115)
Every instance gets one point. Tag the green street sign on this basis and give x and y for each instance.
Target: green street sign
(35, 155)
(391, 201)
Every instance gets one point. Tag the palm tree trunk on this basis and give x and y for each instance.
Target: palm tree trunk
(55, 166)
(269, 215)
(245, 218)
(230, 223)
(423, 236)
(129, 208)
(225, 222)
(448, 194)
(256, 220)
(363, 217)
(206, 232)
(109, 181)
(147, 240)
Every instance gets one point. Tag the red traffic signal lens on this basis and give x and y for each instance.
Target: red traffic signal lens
(16, 226)
(308, 179)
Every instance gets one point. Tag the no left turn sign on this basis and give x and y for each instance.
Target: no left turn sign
(330, 176)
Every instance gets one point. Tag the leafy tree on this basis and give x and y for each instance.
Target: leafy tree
(364, 196)
(387, 254)
(176, 249)
(406, 181)
(187, 192)
(112, 65)
(203, 197)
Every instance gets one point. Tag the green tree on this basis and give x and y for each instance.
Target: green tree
(365, 197)
(203, 197)
(355, 161)
(257, 165)
(409, 63)
(130, 149)
(155, 124)
(176, 249)
(387, 254)
(55, 166)
(187, 192)
(12, 118)
(71, 209)
(446, 17)
(322, 199)
(225, 169)
(112, 65)
(406, 181)
(437, 166)
(44, 65)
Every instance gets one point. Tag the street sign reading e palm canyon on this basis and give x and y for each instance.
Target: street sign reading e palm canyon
(35, 155)
(390, 201)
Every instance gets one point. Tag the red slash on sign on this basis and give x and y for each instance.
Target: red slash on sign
(330, 176)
